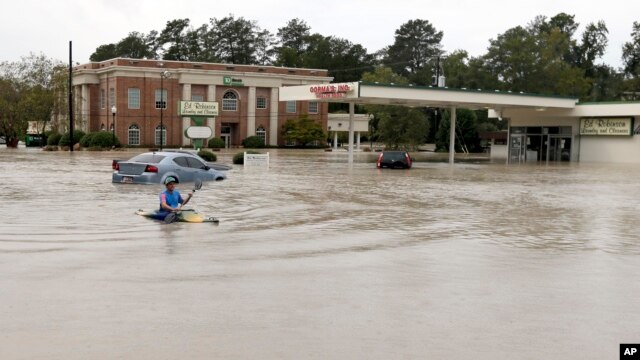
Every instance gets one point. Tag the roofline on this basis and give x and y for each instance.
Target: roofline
(435, 88)
(202, 62)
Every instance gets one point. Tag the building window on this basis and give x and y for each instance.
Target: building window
(134, 135)
(262, 134)
(261, 103)
(134, 98)
(102, 99)
(161, 98)
(197, 98)
(112, 96)
(313, 107)
(291, 106)
(164, 135)
(230, 101)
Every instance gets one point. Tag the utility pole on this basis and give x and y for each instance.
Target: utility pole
(437, 114)
(70, 99)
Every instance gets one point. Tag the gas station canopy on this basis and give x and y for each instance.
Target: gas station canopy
(421, 96)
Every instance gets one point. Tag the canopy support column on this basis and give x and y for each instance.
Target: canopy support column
(452, 135)
(352, 107)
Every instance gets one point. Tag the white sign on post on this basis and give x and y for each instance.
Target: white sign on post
(256, 159)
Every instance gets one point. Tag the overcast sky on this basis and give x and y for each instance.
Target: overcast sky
(47, 26)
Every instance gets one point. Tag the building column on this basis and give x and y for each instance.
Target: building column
(357, 140)
(251, 112)
(335, 140)
(84, 108)
(211, 122)
(186, 121)
(273, 117)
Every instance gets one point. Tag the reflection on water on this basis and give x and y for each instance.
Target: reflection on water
(316, 259)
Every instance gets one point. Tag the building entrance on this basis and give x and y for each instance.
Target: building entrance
(540, 144)
(225, 134)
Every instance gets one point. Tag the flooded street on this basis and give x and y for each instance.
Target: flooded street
(314, 259)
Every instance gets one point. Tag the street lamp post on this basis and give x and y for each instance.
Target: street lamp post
(113, 126)
(163, 75)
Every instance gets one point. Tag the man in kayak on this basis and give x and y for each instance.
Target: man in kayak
(170, 199)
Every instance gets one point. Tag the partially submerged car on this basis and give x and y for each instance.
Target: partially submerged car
(394, 160)
(154, 167)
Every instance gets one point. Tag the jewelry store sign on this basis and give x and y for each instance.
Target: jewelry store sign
(198, 108)
(606, 126)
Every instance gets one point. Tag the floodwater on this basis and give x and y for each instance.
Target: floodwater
(314, 259)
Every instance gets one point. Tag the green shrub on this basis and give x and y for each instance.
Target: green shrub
(54, 139)
(215, 143)
(253, 142)
(103, 139)
(86, 140)
(77, 136)
(238, 158)
(207, 155)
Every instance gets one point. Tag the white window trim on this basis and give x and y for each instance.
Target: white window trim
(157, 135)
(258, 102)
(226, 102)
(288, 107)
(317, 107)
(133, 133)
(159, 97)
(130, 104)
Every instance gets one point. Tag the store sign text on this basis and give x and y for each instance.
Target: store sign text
(198, 108)
(334, 91)
(606, 126)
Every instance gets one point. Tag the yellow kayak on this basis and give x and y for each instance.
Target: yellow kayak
(187, 215)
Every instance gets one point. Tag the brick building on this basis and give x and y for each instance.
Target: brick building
(247, 97)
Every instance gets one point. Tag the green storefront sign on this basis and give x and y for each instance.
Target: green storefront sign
(230, 81)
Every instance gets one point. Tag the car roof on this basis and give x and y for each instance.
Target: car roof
(170, 153)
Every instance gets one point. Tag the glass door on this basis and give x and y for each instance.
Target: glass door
(225, 134)
(559, 148)
(516, 148)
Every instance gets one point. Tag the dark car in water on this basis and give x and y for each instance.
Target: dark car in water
(396, 159)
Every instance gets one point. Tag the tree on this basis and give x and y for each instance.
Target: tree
(396, 126)
(466, 138)
(593, 46)
(403, 127)
(293, 40)
(416, 43)
(631, 61)
(303, 131)
(136, 46)
(26, 94)
(12, 123)
(236, 40)
(264, 47)
(515, 57)
(174, 35)
(104, 52)
(344, 60)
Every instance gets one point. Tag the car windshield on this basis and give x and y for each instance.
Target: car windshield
(394, 155)
(147, 158)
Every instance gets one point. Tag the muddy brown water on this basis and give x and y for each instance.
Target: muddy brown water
(315, 259)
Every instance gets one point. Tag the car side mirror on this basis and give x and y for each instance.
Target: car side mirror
(205, 168)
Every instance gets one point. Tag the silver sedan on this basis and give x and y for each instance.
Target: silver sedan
(154, 167)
